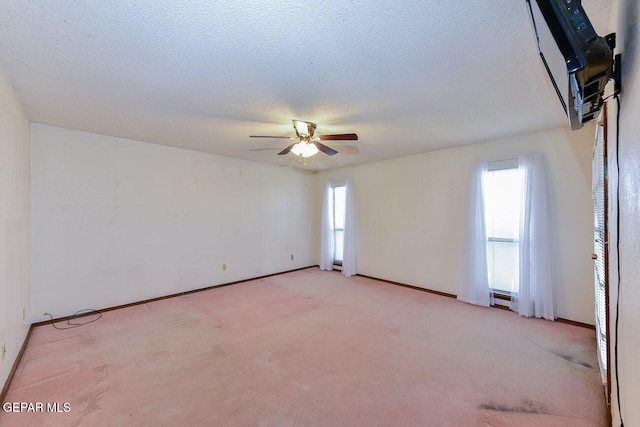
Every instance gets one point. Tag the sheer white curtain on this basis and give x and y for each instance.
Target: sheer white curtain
(474, 283)
(535, 296)
(326, 236)
(350, 255)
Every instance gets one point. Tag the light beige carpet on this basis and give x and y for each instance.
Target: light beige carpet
(310, 348)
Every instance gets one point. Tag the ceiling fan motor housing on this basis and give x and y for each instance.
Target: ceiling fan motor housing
(304, 129)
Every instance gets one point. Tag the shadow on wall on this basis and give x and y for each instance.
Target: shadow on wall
(628, 25)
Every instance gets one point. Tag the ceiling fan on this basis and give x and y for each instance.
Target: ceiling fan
(307, 144)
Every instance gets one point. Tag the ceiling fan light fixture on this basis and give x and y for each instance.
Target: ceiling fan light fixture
(304, 149)
(309, 145)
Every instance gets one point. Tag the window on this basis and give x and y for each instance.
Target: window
(338, 233)
(601, 230)
(339, 199)
(508, 239)
(502, 189)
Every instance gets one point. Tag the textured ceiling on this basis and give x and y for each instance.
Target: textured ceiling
(203, 75)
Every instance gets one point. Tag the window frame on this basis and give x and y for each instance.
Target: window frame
(493, 166)
(335, 184)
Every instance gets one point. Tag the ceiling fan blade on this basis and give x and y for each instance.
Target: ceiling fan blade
(269, 136)
(326, 150)
(286, 150)
(339, 137)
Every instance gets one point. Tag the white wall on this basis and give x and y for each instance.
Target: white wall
(117, 221)
(411, 213)
(15, 225)
(628, 37)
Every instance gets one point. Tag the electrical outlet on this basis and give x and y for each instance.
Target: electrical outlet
(224, 267)
(291, 257)
(4, 350)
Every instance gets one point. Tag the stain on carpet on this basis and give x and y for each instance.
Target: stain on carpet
(572, 359)
(525, 407)
(92, 401)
